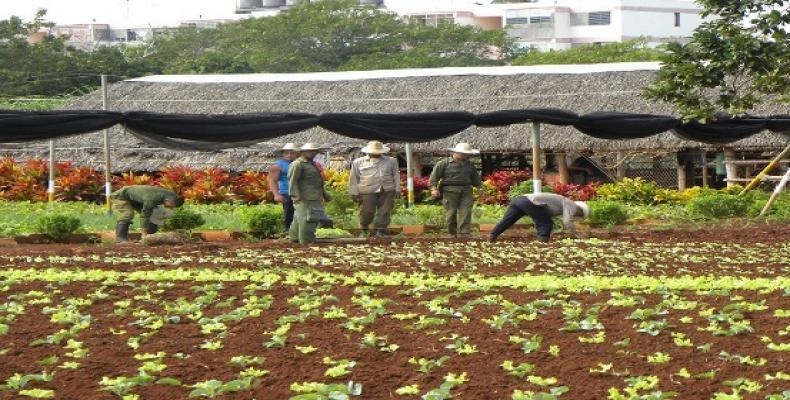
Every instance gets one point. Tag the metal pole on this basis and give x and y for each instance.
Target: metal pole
(51, 187)
(776, 192)
(536, 170)
(107, 171)
(409, 176)
(759, 178)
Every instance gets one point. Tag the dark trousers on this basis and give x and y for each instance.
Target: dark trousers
(521, 206)
(288, 212)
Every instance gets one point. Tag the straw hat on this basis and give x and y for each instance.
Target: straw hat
(464, 148)
(289, 147)
(585, 208)
(375, 147)
(310, 146)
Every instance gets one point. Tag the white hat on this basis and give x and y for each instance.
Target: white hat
(375, 147)
(585, 208)
(160, 214)
(310, 146)
(464, 148)
(290, 147)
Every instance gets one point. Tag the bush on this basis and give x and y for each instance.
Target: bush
(341, 209)
(636, 191)
(265, 221)
(526, 188)
(719, 205)
(183, 219)
(57, 227)
(606, 213)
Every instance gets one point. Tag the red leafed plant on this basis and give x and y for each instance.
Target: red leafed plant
(212, 185)
(130, 179)
(577, 192)
(28, 182)
(178, 178)
(78, 183)
(252, 187)
(422, 187)
(496, 186)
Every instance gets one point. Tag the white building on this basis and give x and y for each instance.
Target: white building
(563, 24)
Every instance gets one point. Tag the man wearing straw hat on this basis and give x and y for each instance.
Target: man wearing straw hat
(306, 188)
(452, 179)
(278, 181)
(374, 183)
(541, 207)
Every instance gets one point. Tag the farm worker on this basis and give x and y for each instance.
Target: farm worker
(374, 183)
(306, 188)
(452, 179)
(146, 200)
(541, 207)
(278, 181)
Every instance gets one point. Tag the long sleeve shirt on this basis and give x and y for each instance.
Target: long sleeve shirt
(450, 174)
(374, 175)
(144, 199)
(557, 205)
(305, 181)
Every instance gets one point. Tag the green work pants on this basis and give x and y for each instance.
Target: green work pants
(376, 206)
(307, 214)
(458, 211)
(123, 210)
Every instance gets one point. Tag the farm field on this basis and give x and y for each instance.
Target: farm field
(637, 315)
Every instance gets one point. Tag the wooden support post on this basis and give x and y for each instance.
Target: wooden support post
(682, 177)
(776, 193)
(732, 169)
(757, 179)
(562, 166)
(704, 169)
(107, 170)
(51, 186)
(536, 170)
(620, 170)
(409, 176)
(417, 159)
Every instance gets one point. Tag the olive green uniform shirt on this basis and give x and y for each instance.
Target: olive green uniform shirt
(144, 199)
(305, 181)
(454, 176)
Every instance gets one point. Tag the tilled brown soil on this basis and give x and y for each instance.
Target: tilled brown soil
(754, 252)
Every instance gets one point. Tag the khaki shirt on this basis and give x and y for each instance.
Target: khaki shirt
(374, 175)
(305, 181)
(455, 175)
(557, 205)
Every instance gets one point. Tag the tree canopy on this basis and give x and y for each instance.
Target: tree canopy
(735, 60)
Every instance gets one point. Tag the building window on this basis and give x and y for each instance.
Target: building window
(526, 17)
(677, 19)
(600, 18)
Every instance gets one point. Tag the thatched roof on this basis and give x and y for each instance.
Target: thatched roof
(615, 87)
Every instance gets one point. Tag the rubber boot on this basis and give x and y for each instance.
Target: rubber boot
(151, 228)
(365, 233)
(380, 233)
(122, 232)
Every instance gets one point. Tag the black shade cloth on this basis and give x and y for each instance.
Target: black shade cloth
(213, 132)
(219, 128)
(410, 128)
(722, 131)
(616, 125)
(779, 123)
(551, 116)
(28, 126)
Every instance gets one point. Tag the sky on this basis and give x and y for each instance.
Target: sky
(154, 13)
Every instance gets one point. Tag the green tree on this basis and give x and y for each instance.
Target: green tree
(737, 59)
(328, 35)
(628, 51)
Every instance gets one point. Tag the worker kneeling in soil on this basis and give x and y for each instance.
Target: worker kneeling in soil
(149, 201)
(541, 207)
